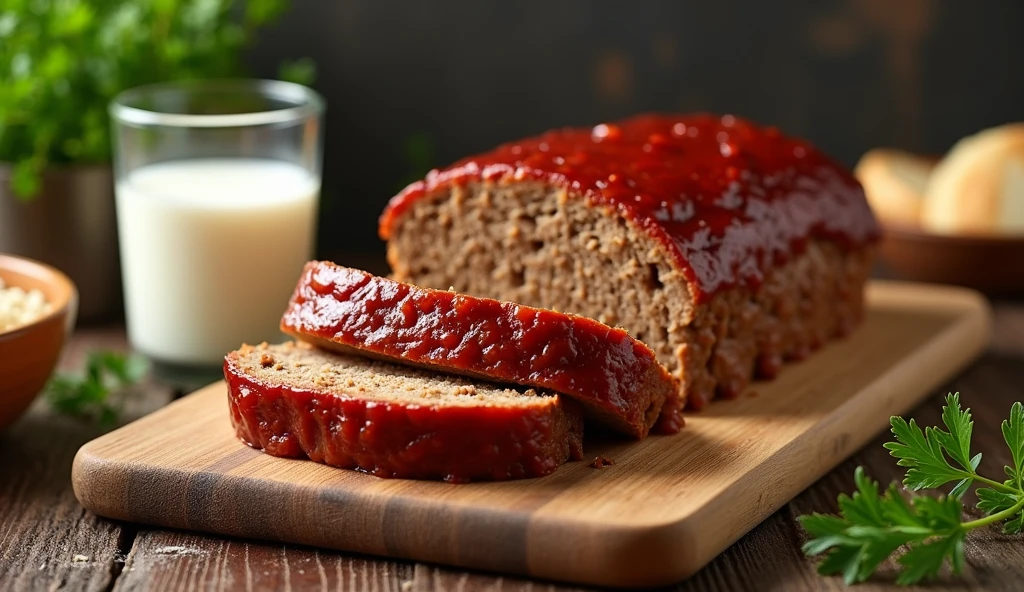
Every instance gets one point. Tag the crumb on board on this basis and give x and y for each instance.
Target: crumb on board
(601, 462)
(79, 559)
(177, 550)
(406, 585)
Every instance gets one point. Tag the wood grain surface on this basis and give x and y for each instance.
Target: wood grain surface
(665, 509)
(768, 558)
(47, 540)
(88, 544)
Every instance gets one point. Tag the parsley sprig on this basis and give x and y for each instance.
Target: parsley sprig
(925, 532)
(99, 393)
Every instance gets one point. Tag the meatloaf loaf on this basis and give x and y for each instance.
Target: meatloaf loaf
(616, 378)
(725, 246)
(292, 400)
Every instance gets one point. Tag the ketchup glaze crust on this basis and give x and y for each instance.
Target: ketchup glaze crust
(728, 199)
(613, 375)
(391, 440)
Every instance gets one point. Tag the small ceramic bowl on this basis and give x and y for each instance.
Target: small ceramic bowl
(29, 353)
(989, 263)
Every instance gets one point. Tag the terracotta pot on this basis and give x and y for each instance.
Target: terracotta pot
(71, 225)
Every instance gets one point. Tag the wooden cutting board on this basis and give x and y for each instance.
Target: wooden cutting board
(666, 508)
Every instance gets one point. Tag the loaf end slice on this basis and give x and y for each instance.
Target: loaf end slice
(292, 400)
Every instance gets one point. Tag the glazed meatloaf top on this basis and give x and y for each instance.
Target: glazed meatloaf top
(727, 198)
(616, 378)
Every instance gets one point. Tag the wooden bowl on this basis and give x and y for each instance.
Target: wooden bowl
(29, 353)
(989, 263)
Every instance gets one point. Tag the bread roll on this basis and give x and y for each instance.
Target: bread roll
(895, 184)
(979, 186)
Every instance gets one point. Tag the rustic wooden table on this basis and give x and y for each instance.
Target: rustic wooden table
(47, 541)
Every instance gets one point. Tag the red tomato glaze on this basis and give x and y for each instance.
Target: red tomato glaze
(615, 376)
(457, 444)
(729, 199)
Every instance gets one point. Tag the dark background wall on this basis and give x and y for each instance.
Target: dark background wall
(414, 84)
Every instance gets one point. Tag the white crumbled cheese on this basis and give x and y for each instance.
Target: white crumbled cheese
(18, 307)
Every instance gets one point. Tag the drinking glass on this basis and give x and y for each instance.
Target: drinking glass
(217, 190)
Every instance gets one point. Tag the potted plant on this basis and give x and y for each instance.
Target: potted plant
(61, 62)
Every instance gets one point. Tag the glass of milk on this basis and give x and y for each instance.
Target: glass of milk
(217, 191)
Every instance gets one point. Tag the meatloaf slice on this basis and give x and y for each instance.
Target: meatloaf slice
(293, 400)
(725, 246)
(617, 379)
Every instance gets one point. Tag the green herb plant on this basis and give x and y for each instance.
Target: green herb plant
(419, 155)
(62, 61)
(100, 392)
(924, 532)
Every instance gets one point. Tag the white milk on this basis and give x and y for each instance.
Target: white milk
(211, 250)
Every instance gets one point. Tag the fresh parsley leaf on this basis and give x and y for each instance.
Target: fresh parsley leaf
(870, 529)
(921, 451)
(925, 560)
(926, 451)
(844, 560)
(99, 392)
(901, 514)
(957, 441)
(991, 501)
(864, 507)
(1013, 432)
(826, 532)
(1015, 525)
(939, 514)
(874, 526)
(961, 488)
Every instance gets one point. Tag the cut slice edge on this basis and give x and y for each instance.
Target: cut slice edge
(617, 378)
(292, 400)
